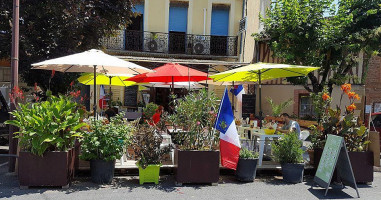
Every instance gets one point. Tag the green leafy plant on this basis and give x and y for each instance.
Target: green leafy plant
(146, 144)
(149, 110)
(287, 149)
(277, 109)
(317, 138)
(244, 153)
(52, 125)
(347, 126)
(195, 115)
(106, 141)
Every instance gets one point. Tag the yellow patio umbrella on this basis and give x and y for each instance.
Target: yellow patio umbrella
(102, 79)
(259, 72)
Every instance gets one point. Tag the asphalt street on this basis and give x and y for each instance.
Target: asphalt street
(127, 187)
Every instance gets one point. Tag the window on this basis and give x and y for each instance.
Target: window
(306, 108)
(5, 74)
(177, 25)
(219, 29)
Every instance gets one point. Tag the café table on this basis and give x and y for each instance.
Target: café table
(259, 133)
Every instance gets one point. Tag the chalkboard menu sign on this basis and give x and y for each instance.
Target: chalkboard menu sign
(248, 105)
(131, 96)
(335, 155)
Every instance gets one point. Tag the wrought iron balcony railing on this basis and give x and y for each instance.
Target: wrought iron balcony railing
(172, 43)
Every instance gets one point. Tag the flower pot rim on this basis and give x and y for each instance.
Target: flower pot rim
(149, 165)
(249, 158)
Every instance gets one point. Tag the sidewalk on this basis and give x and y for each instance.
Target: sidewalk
(127, 187)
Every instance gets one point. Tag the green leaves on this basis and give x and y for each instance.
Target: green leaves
(106, 141)
(41, 130)
(277, 109)
(319, 33)
(288, 149)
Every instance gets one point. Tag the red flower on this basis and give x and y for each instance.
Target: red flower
(351, 107)
(357, 97)
(71, 84)
(53, 72)
(346, 87)
(325, 96)
(351, 94)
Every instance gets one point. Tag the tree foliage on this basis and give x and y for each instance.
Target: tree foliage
(320, 33)
(51, 28)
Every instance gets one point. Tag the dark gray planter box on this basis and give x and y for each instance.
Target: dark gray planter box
(292, 173)
(246, 169)
(102, 172)
(197, 166)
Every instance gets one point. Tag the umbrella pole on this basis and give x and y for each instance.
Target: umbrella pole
(260, 94)
(173, 86)
(109, 101)
(233, 98)
(95, 93)
(188, 80)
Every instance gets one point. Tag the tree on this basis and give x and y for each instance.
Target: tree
(320, 33)
(51, 28)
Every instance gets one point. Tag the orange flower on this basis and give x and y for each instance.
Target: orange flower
(351, 94)
(351, 107)
(346, 87)
(357, 97)
(325, 96)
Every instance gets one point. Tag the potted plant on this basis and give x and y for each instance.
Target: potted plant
(247, 165)
(150, 153)
(103, 144)
(149, 110)
(350, 127)
(196, 156)
(47, 133)
(287, 151)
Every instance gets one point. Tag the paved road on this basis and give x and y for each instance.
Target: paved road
(128, 188)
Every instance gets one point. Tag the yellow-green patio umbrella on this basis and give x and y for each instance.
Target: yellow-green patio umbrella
(102, 79)
(259, 72)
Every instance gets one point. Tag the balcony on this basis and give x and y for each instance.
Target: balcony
(172, 43)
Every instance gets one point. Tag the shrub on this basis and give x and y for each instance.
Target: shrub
(147, 141)
(51, 125)
(244, 153)
(106, 141)
(195, 114)
(288, 149)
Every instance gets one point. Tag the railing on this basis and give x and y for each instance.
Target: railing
(172, 43)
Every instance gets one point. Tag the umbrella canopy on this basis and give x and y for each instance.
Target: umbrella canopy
(192, 85)
(263, 71)
(258, 72)
(170, 72)
(86, 61)
(109, 79)
(95, 61)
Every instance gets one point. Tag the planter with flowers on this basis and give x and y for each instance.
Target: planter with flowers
(103, 144)
(348, 126)
(196, 156)
(150, 153)
(47, 133)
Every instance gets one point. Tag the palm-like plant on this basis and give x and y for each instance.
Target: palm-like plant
(277, 109)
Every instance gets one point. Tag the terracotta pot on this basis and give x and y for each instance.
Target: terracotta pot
(53, 169)
(197, 166)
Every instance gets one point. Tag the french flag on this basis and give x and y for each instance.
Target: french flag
(229, 139)
(238, 91)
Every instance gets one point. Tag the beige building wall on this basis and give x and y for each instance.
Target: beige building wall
(156, 15)
(281, 93)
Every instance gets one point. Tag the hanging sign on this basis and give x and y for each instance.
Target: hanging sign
(335, 154)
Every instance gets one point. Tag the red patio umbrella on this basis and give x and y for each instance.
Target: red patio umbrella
(170, 72)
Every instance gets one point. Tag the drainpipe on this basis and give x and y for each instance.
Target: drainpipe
(204, 21)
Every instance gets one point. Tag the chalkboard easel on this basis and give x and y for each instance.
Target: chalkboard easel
(335, 154)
